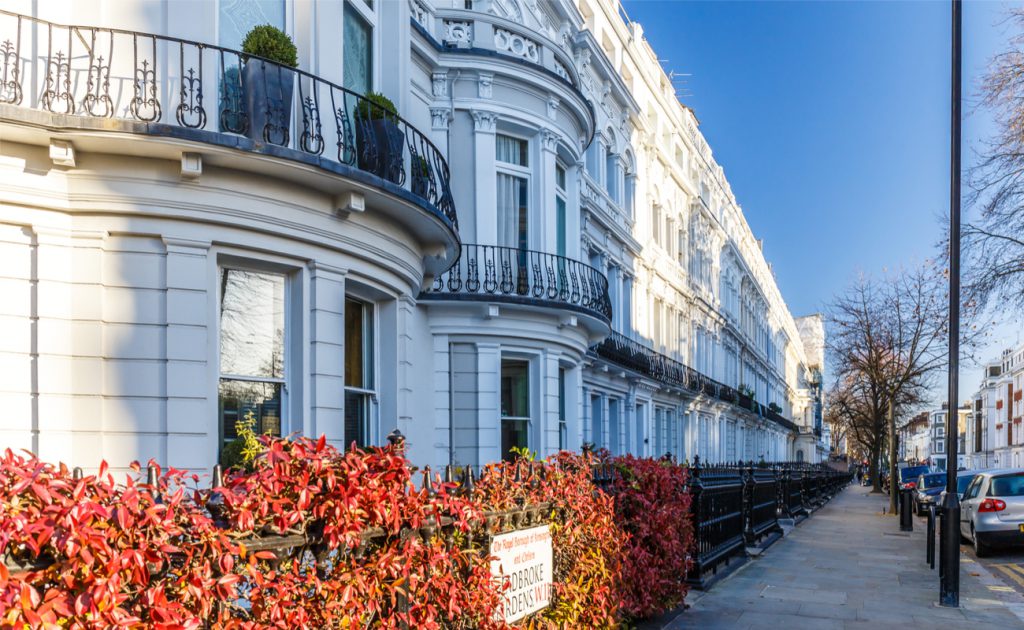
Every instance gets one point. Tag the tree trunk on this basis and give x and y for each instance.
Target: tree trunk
(874, 467)
(894, 486)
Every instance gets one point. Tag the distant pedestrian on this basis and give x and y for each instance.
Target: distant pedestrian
(860, 475)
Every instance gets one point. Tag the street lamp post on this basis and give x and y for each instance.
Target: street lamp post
(949, 577)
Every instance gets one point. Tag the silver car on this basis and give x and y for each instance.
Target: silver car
(992, 510)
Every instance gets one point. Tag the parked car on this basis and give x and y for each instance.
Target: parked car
(992, 510)
(927, 491)
(910, 474)
(963, 479)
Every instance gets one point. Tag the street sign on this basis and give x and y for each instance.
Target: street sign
(524, 563)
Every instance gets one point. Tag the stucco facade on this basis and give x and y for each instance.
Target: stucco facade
(165, 269)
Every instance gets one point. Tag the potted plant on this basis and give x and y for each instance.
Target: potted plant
(421, 176)
(774, 408)
(379, 137)
(269, 82)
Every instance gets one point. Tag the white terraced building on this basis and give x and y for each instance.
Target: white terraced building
(541, 252)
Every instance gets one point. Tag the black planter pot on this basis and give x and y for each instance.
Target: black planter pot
(268, 101)
(380, 148)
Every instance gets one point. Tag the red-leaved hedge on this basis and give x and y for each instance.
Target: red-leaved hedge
(101, 554)
(652, 507)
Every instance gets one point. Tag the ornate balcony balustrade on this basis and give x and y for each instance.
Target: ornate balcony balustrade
(486, 33)
(635, 356)
(179, 88)
(494, 273)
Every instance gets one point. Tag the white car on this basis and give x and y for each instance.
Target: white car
(992, 510)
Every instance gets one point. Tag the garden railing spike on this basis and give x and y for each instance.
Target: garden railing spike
(395, 438)
(218, 477)
(153, 482)
(449, 476)
(428, 483)
(468, 486)
(76, 474)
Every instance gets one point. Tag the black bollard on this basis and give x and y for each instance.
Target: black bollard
(906, 511)
(931, 537)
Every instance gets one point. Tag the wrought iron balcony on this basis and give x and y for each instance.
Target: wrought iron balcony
(639, 358)
(192, 90)
(494, 273)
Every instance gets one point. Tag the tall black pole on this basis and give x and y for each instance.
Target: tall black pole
(949, 580)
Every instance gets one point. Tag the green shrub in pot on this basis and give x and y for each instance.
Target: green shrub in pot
(380, 138)
(269, 83)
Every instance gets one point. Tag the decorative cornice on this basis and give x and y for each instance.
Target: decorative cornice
(549, 140)
(484, 85)
(484, 121)
(440, 117)
(439, 84)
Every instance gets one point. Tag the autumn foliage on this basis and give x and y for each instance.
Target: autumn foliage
(373, 548)
(652, 508)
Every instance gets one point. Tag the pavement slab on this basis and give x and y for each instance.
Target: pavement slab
(847, 567)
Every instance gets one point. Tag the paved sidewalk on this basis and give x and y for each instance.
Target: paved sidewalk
(849, 566)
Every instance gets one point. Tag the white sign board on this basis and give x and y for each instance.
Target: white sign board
(523, 560)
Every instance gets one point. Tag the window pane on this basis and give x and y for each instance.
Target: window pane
(513, 213)
(513, 435)
(511, 150)
(358, 53)
(237, 398)
(515, 392)
(562, 428)
(1007, 486)
(358, 344)
(357, 418)
(237, 17)
(251, 323)
(560, 225)
(560, 176)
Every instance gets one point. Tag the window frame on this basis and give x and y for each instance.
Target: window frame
(370, 346)
(522, 172)
(531, 385)
(561, 222)
(367, 12)
(291, 284)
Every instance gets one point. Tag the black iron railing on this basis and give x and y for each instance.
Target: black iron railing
(490, 272)
(737, 504)
(175, 85)
(636, 356)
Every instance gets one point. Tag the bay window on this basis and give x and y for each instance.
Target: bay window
(513, 192)
(357, 54)
(360, 394)
(515, 406)
(560, 218)
(253, 339)
(563, 429)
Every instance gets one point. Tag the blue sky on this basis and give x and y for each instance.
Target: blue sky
(831, 120)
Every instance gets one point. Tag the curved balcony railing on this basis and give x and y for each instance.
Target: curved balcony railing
(490, 272)
(177, 86)
(635, 356)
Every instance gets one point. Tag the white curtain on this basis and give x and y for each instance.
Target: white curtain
(509, 210)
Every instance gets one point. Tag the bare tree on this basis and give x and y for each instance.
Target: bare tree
(892, 336)
(994, 241)
(856, 407)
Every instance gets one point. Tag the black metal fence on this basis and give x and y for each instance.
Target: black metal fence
(735, 505)
(521, 275)
(175, 86)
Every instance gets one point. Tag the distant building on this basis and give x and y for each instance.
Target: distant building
(1005, 393)
(981, 429)
(940, 437)
(915, 439)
